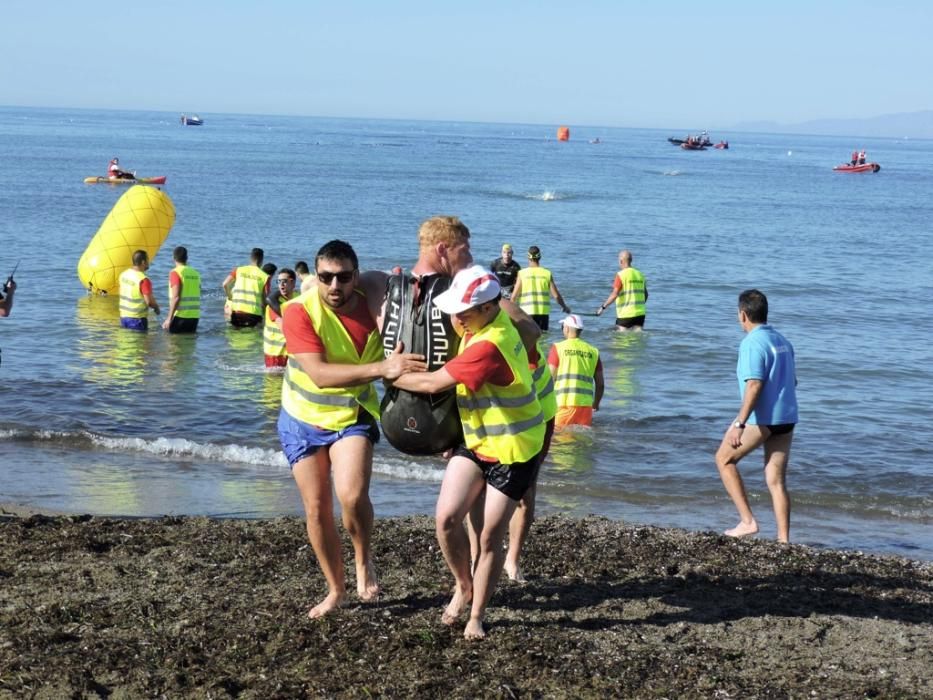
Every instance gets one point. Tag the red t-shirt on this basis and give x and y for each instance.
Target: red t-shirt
(145, 287)
(478, 364)
(302, 337)
(554, 359)
(174, 279)
(616, 283)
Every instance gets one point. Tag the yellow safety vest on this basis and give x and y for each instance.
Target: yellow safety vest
(631, 300)
(189, 304)
(273, 340)
(575, 384)
(502, 422)
(544, 385)
(332, 408)
(536, 291)
(132, 302)
(248, 290)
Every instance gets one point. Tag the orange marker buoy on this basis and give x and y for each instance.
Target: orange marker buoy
(563, 133)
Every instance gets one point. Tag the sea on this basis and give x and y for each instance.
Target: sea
(96, 419)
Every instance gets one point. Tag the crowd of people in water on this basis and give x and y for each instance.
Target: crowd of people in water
(466, 375)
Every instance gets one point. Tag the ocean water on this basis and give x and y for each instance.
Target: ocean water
(99, 420)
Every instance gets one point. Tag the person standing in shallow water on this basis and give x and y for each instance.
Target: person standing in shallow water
(327, 425)
(767, 377)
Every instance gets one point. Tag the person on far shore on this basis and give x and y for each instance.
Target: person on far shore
(327, 425)
(506, 270)
(578, 375)
(246, 288)
(767, 384)
(273, 341)
(630, 292)
(184, 295)
(305, 278)
(136, 297)
(504, 431)
(534, 288)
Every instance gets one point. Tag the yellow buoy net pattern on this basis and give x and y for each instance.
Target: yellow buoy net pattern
(140, 220)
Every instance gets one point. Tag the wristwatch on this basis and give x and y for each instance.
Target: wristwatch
(738, 424)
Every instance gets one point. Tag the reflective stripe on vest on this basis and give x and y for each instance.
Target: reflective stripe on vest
(248, 290)
(631, 300)
(544, 384)
(536, 291)
(502, 422)
(330, 408)
(189, 304)
(132, 302)
(273, 340)
(575, 382)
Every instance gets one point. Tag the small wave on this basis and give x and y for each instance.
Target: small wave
(673, 173)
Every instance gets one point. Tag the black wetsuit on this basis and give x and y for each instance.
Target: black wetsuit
(419, 424)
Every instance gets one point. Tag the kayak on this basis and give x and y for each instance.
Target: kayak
(125, 181)
(863, 168)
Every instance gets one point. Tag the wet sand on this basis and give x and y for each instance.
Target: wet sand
(193, 607)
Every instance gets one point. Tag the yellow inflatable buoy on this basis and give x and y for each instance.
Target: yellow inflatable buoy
(140, 220)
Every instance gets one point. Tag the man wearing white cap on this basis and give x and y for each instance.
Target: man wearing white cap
(578, 376)
(503, 429)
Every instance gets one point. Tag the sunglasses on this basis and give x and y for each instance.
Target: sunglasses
(342, 277)
(286, 280)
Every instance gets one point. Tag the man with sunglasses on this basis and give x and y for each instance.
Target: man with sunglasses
(327, 425)
(504, 433)
(273, 341)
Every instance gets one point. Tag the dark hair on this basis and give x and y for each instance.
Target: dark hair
(269, 268)
(534, 253)
(180, 254)
(256, 255)
(301, 267)
(288, 272)
(755, 305)
(139, 257)
(337, 250)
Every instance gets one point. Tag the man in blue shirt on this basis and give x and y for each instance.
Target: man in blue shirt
(767, 385)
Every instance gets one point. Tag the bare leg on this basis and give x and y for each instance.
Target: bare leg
(499, 509)
(727, 459)
(777, 455)
(519, 526)
(312, 475)
(462, 485)
(352, 458)
(474, 525)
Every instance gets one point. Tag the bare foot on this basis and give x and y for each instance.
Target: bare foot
(456, 606)
(331, 602)
(515, 572)
(474, 629)
(743, 529)
(367, 587)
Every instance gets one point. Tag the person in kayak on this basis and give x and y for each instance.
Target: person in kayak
(114, 172)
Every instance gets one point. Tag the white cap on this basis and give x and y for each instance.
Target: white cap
(471, 287)
(573, 321)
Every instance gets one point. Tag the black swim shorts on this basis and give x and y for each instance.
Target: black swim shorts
(241, 319)
(781, 428)
(542, 320)
(630, 322)
(511, 479)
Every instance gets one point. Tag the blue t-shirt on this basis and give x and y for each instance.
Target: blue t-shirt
(765, 354)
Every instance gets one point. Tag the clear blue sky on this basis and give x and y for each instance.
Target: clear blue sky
(622, 63)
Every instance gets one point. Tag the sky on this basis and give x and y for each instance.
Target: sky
(597, 63)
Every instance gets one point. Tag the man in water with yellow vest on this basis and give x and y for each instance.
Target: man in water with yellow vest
(246, 288)
(184, 295)
(327, 425)
(578, 376)
(273, 341)
(630, 292)
(503, 428)
(136, 296)
(534, 288)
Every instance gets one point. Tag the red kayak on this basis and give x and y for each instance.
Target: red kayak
(863, 168)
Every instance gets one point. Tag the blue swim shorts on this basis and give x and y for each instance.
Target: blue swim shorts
(300, 440)
(135, 324)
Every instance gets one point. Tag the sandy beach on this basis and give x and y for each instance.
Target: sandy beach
(193, 607)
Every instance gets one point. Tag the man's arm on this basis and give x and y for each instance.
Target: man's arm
(375, 283)
(150, 298)
(616, 288)
(426, 382)
(555, 292)
(527, 329)
(329, 375)
(600, 387)
(753, 389)
(227, 286)
(517, 289)
(174, 296)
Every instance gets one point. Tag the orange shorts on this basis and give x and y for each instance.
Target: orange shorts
(573, 415)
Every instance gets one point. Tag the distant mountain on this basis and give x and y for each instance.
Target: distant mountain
(917, 125)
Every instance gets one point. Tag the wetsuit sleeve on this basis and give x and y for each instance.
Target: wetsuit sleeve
(478, 364)
(300, 336)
